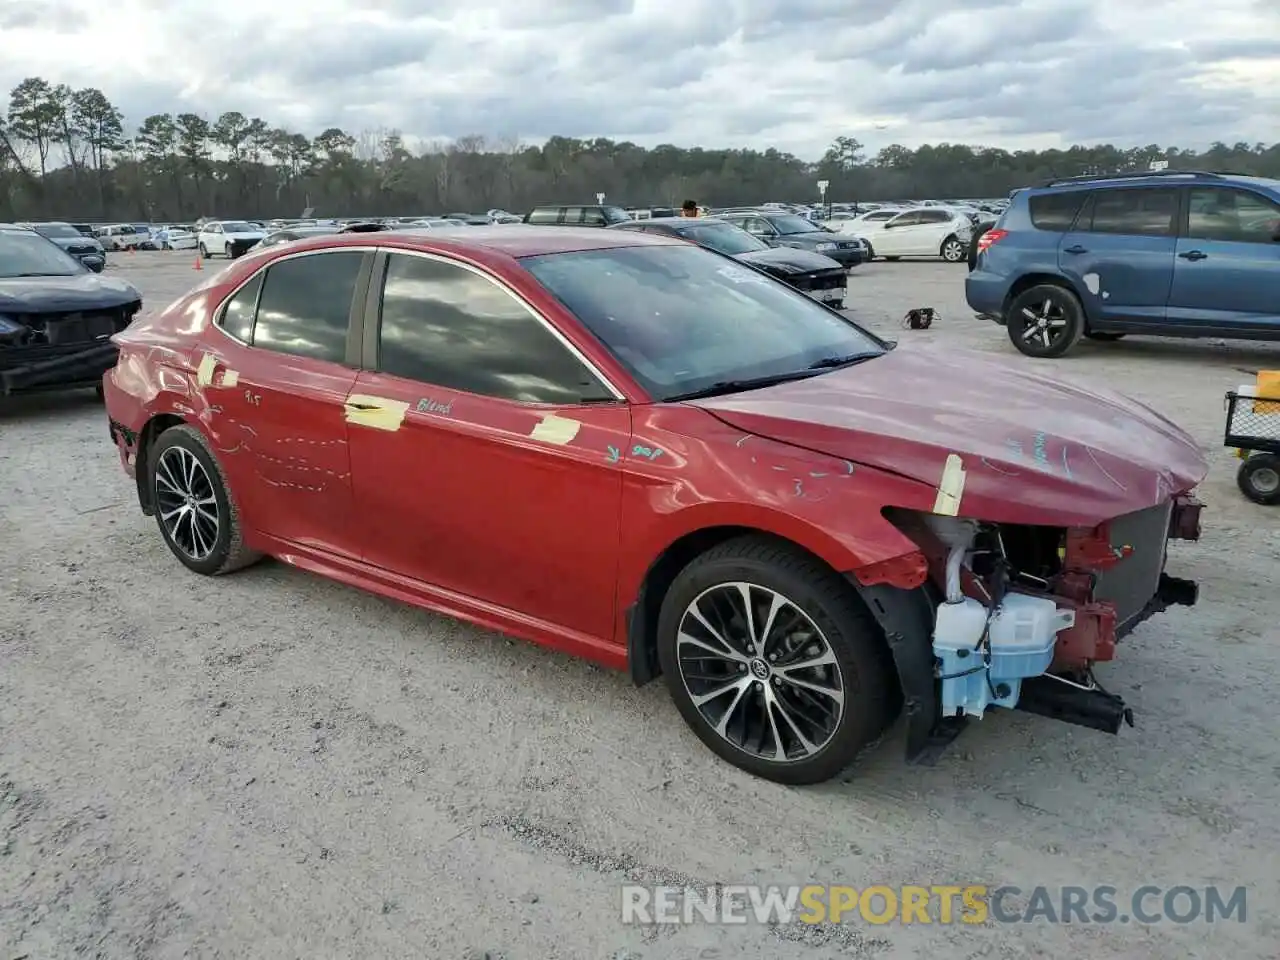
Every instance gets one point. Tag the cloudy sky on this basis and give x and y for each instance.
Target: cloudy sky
(792, 74)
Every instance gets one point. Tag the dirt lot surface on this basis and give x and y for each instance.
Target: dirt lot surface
(271, 765)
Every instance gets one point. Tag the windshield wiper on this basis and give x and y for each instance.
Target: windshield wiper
(831, 363)
(722, 387)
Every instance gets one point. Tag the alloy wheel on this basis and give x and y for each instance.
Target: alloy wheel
(1045, 322)
(760, 672)
(186, 503)
(953, 251)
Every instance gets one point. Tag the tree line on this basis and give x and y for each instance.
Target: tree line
(72, 155)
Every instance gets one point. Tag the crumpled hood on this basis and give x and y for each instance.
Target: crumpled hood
(789, 260)
(1034, 449)
(82, 291)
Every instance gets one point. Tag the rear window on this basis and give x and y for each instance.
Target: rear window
(1056, 211)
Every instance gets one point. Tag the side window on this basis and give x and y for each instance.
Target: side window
(935, 216)
(1056, 211)
(451, 328)
(757, 227)
(1215, 213)
(545, 215)
(593, 217)
(237, 313)
(1135, 213)
(305, 305)
(911, 218)
(572, 216)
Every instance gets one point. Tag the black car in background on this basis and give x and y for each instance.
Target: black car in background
(56, 316)
(85, 249)
(819, 276)
(790, 230)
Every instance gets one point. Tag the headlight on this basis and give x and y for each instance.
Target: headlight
(826, 246)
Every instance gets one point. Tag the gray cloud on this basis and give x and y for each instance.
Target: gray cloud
(792, 74)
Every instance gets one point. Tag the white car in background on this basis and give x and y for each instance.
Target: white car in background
(914, 232)
(228, 238)
(174, 238)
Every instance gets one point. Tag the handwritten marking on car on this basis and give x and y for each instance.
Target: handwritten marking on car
(648, 453)
(204, 372)
(1000, 470)
(614, 454)
(253, 398)
(1103, 470)
(950, 487)
(379, 413)
(743, 439)
(557, 430)
(230, 378)
(428, 405)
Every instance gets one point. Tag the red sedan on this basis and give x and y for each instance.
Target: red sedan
(637, 450)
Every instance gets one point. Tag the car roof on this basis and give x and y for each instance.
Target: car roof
(510, 240)
(675, 221)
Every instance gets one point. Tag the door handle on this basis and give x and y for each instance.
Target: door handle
(362, 406)
(1076, 249)
(1194, 255)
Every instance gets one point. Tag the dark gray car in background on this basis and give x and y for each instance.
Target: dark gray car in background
(85, 249)
(790, 230)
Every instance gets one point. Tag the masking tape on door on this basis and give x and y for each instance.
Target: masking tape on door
(557, 430)
(950, 487)
(204, 372)
(230, 378)
(382, 413)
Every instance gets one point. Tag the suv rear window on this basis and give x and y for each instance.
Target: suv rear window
(1056, 211)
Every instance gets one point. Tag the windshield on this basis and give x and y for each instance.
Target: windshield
(681, 318)
(724, 237)
(25, 254)
(58, 230)
(238, 226)
(787, 225)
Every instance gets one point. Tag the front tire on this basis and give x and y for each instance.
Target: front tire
(193, 506)
(1045, 321)
(1259, 478)
(953, 251)
(774, 662)
(204, 253)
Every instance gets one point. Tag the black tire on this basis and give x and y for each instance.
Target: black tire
(871, 252)
(1259, 478)
(862, 663)
(836, 304)
(228, 551)
(100, 393)
(953, 250)
(204, 254)
(1050, 303)
(893, 259)
(1104, 337)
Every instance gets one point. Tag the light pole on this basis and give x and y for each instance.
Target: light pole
(600, 198)
(822, 190)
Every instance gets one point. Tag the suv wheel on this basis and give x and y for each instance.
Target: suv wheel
(953, 251)
(1045, 321)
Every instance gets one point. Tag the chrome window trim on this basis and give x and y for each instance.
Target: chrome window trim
(524, 304)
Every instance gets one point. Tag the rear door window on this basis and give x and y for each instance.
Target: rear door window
(1056, 211)
(305, 305)
(1135, 213)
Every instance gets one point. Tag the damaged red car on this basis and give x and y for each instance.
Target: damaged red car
(633, 449)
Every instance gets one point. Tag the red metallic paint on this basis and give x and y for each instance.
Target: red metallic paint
(461, 511)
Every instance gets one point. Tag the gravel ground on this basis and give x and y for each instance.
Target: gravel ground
(272, 765)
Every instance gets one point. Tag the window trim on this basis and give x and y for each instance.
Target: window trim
(355, 316)
(371, 322)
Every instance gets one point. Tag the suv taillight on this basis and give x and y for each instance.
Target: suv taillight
(991, 236)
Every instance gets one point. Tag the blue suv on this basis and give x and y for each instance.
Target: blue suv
(1167, 253)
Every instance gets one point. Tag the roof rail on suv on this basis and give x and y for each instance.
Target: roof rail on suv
(1139, 175)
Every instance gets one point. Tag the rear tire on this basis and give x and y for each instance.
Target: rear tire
(953, 250)
(194, 509)
(1259, 478)
(750, 699)
(1045, 321)
(204, 253)
(871, 252)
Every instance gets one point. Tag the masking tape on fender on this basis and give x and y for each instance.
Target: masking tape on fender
(950, 487)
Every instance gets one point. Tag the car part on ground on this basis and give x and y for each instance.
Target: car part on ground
(919, 318)
(1165, 253)
(56, 317)
(805, 530)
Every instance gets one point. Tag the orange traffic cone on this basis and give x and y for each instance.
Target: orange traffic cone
(198, 264)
